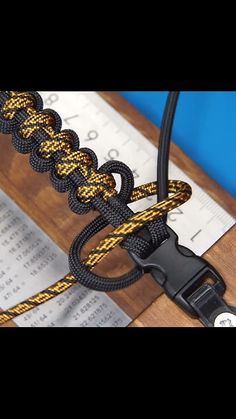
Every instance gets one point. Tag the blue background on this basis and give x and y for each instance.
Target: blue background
(205, 128)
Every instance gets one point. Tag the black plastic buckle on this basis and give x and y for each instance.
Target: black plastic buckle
(179, 271)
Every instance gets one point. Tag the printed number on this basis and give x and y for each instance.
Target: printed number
(66, 120)
(92, 135)
(195, 235)
(52, 98)
(171, 217)
(135, 173)
(112, 154)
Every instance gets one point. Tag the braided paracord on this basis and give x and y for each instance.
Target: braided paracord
(32, 124)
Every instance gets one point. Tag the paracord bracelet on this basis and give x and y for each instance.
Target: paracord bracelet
(72, 169)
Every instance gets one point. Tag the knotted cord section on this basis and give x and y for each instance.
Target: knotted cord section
(45, 125)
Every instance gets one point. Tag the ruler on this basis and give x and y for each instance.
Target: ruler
(199, 223)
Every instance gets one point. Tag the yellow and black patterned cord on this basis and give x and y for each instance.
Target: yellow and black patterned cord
(96, 184)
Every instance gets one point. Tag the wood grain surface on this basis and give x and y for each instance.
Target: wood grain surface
(49, 209)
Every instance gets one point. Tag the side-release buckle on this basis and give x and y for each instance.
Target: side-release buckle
(179, 271)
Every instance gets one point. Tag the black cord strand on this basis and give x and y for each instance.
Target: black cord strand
(115, 210)
(164, 147)
(148, 238)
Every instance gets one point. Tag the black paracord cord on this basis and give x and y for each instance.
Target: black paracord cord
(115, 211)
(164, 147)
(38, 132)
(138, 244)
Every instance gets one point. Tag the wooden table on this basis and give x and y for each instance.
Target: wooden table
(142, 301)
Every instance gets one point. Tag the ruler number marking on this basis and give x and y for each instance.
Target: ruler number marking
(66, 120)
(178, 211)
(135, 173)
(112, 154)
(195, 235)
(52, 98)
(92, 135)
